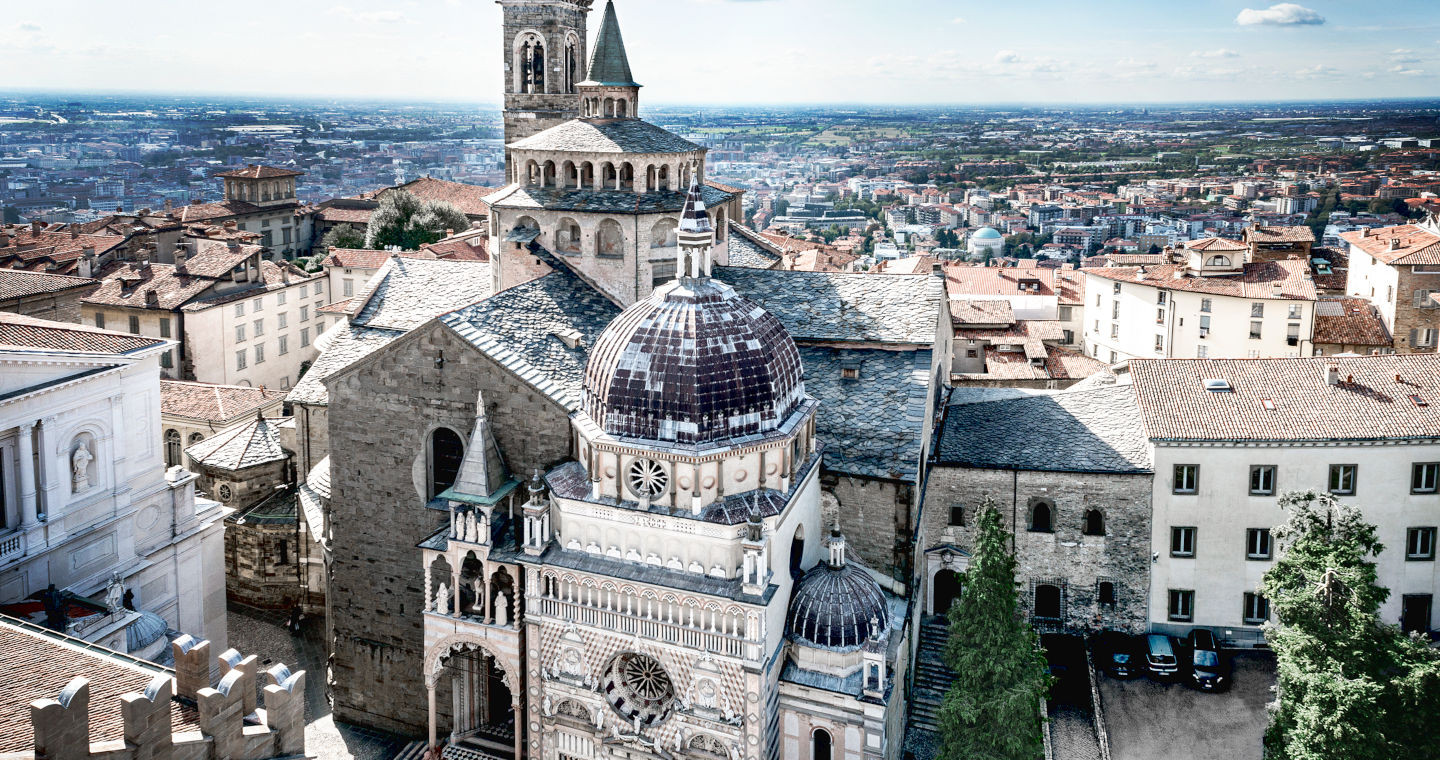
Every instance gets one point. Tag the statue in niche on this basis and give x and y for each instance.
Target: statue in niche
(80, 467)
(442, 599)
(502, 608)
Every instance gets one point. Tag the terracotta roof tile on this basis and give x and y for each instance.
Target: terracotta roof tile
(1406, 244)
(19, 283)
(964, 280)
(1349, 321)
(1257, 280)
(255, 171)
(1266, 234)
(215, 403)
(19, 331)
(468, 198)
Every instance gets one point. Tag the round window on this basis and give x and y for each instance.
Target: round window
(638, 688)
(223, 492)
(647, 478)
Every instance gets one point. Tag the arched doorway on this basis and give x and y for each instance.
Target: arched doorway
(482, 707)
(946, 590)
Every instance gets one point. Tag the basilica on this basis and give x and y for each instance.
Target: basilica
(601, 510)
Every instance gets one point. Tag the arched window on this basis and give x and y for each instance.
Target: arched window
(627, 177)
(567, 236)
(172, 448)
(196, 438)
(1040, 517)
(1218, 261)
(531, 64)
(620, 107)
(1094, 523)
(609, 108)
(662, 178)
(547, 175)
(797, 551)
(571, 65)
(820, 745)
(607, 176)
(609, 239)
(1047, 601)
(446, 453)
(662, 235)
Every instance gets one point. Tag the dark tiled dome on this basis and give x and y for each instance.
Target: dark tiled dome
(693, 363)
(834, 606)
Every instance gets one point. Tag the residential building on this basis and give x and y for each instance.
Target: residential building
(1398, 270)
(1227, 437)
(97, 538)
(191, 412)
(1266, 243)
(43, 295)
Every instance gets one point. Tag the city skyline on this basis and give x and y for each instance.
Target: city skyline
(939, 53)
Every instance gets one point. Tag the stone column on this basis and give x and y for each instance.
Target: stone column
(519, 718)
(29, 509)
(53, 469)
(430, 684)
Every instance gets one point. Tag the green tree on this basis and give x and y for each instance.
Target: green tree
(1349, 685)
(408, 222)
(342, 236)
(992, 711)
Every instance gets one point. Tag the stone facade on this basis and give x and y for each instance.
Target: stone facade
(263, 562)
(1064, 556)
(389, 409)
(560, 27)
(877, 514)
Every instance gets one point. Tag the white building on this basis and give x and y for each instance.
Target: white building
(1362, 428)
(86, 504)
(1212, 306)
(986, 240)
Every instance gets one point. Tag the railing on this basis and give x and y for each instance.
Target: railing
(12, 546)
(671, 633)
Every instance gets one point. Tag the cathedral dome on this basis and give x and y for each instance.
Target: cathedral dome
(693, 363)
(986, 233)
(837, 606)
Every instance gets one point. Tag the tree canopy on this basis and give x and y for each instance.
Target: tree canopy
(408, 222)
(1349, 685)
(342, 236)
(992, 710)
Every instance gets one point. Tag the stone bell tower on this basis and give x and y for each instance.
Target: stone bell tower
(543, 59)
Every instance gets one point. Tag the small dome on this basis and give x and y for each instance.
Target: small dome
(693, 363)
(144, 631)
(986, 233)
(834, 605)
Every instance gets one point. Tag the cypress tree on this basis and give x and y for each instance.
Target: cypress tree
(992, 711)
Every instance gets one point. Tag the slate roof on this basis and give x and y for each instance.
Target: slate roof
(249, 445)
(1257, 280)
(607, 136)
(874, 425)
(407, 292)
(1349, 321)
(18, 331)
(1082, 431)
(519, 328)
(344, 345)
(747, 249)
(38, 665)
(215, 403)
(599, 201)
(609, 65)
(841, 306)
(20, 283)
(1367, 404)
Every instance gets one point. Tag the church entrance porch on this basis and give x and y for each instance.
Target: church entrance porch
(472, 704)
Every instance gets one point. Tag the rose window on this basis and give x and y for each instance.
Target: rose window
(647, 478)
(638, 688)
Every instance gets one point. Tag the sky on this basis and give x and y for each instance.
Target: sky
(731, 52)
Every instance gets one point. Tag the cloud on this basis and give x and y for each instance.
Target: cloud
(1220, 53)
(1318, 71)
(1007, 56)
(1402, 56)
(1404, 72)
(958, 20)
(1280, 14)
(29, 27)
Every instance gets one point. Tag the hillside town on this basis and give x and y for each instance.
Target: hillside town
(588, 428)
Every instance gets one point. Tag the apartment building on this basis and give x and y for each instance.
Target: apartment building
(1227, 437)
(1213, 305)
(1398, 270)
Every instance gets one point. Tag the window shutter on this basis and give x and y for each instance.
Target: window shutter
(1413, 335)
(1419, 298)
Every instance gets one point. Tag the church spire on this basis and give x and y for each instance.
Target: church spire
(695, 236)
(609, 90)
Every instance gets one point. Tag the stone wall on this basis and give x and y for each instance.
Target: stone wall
(248, 486)
(382, 412)
(1409, 317)
(530, 113)
(1067, 558)
(875, 518)
(57, 307)
(263, 564)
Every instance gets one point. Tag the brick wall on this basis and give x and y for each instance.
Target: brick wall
(380, 414)
(1075, 562)
(1410, 318)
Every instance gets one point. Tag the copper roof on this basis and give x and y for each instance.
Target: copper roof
(1377, 397)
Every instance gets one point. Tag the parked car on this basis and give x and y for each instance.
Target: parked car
(1160, 658)
(1065, 655)
(1118, 654)
(1209, 669)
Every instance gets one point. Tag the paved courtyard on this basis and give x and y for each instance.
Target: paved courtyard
(264, 634)
(1148, 720)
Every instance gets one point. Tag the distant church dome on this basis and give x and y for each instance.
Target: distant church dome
(986, 233)
(837, 605)
(144, 631)
(693, 363)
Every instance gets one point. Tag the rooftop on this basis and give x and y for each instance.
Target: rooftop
(1406, 244)
(19, 283)
(607, 136)
(1076, 431)
(214, 403)
(1256, 280)
(1349, 321)
(1375, 398)
(21, 332)
(407, 292)
(255, 171)
(842, 306)
(249, 445)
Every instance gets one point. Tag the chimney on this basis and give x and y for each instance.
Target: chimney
(229, 224)
(1394, 244)
(1275, 289)
(119, 209)
(1332, 374)
(152, 299)
(35, 227)
(182, 249)
(4, 237)
(1364, 232)
(74, 230)
(168, 205)
(233, 243)
(86, 265)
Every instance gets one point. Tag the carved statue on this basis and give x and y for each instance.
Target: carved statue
(471, 534)
(479, 605)
(502, 608)
(115, 594)
(545, 707)
(80, 467)
(442, 599)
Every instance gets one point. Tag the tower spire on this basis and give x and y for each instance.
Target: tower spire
(695, 236)
(609, 90)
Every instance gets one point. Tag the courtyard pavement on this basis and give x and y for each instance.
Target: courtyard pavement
(264, 633)
(1148, 720)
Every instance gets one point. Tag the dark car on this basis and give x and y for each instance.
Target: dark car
(1209, 669)
(1160, 659)
(1065, 655)
(1118, 654)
